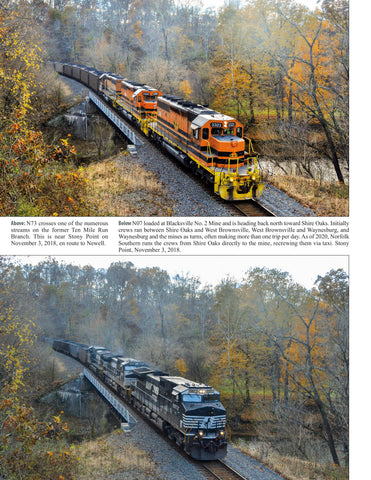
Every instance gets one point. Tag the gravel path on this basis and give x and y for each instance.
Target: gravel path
(249, 467)
(169, 463)
(189, 196)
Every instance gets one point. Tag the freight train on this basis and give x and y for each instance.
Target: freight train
(190, 413)
(208, 142)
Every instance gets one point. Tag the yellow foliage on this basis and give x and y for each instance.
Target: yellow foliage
(15, 337)
(312, 73)
(181, 366)
(186, 89)
(25, 444)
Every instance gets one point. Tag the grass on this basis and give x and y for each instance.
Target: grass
(324, 198)
(119, 187)
(111, 457)
(292, 468)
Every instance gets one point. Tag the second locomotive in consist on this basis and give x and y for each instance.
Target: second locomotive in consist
(188, 412)
(209, 142)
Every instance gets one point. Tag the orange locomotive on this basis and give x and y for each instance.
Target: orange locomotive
(208, 142)
(137, 100)
(203, 138)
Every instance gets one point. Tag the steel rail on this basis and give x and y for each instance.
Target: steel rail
(252, 208)
(219, 470)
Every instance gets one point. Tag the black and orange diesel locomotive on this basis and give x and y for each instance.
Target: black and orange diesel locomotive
(137, 101)
(208, 142)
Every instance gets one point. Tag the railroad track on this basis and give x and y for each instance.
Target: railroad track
(252, 208)
(220, 471)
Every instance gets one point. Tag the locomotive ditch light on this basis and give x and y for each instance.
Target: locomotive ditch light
(222, 433)
(201, 433)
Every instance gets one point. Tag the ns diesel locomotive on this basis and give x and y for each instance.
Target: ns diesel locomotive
(208, 142)
(188, 412)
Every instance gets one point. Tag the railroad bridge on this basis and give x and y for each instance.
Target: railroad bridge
(116, 119)
(114, 400)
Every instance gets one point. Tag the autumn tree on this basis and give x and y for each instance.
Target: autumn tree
(308, 359)
(333, 289)
(35, 178)
(301, 351)
(267, 314)
(230, 340)
(246, 80)
(233, 84)
(26, 448)
(317, 78)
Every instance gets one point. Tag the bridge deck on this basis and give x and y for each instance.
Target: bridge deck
(114, 400)
(115, 118)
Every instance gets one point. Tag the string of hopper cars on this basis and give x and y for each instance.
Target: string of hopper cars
(188, 412)
(208, 142)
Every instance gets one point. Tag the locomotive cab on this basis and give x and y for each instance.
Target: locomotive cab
(200, 418)
(139, 99)
(204, 421)
(220, 137)
(146, 99)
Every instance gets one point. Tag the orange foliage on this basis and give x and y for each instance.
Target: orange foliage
(307, 352)
(314, 73)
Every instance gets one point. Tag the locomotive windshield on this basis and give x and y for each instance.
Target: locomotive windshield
(130, 367)
(197, 398)
(221, 131)
(150, 97)
(214, 397)
(192, 397)
(216, 131)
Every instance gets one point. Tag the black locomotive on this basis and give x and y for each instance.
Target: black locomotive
(188, 412)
